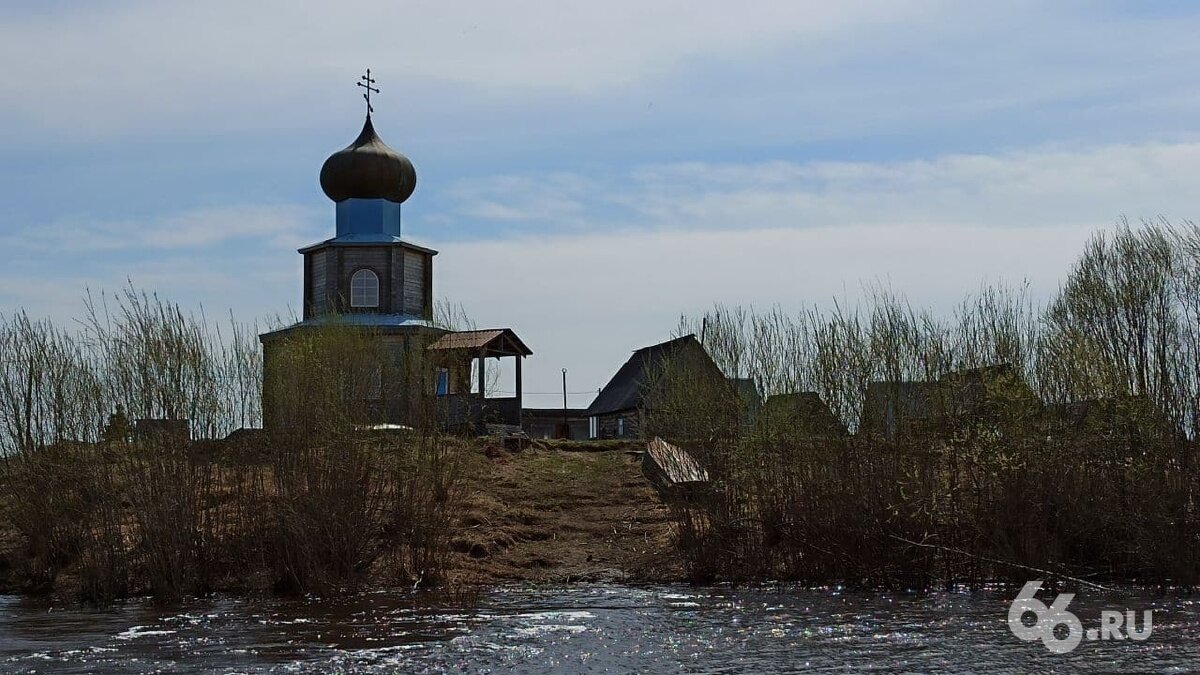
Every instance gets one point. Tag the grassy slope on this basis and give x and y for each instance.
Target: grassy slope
(550, 515)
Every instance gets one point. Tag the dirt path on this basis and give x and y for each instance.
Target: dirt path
(550, 515)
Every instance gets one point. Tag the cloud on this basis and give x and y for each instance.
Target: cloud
(590, 170)
(556, 199)
(194, 230)
(647, 244)
(637, 248)
(253, 285)
(584, 302)
(239, 258)
(205, 227)
(477, 71)
(132, 62)
(1039, 186)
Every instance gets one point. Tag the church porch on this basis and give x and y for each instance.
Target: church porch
(465, 405)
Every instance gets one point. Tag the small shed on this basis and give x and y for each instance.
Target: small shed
(568, 423)
(620, 408)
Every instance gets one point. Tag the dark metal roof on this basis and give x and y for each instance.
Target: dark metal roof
(368, 169)
(624, 390)
(494, 342)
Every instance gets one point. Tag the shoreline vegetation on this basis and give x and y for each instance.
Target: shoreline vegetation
(1003, 440)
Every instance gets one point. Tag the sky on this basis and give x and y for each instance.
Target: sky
(591, 171)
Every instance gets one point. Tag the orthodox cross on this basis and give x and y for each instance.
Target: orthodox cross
(365, 82)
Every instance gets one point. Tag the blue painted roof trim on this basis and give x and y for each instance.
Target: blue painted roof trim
(364, 319)
(373, 239)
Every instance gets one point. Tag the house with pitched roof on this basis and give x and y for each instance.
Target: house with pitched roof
(621, 408)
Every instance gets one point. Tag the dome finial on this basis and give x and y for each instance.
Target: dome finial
(368, 168)
(365, 82)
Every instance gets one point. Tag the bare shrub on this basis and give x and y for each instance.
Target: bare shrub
(103, 509)
(1003, 439)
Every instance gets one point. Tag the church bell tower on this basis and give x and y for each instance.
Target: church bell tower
(368, 273)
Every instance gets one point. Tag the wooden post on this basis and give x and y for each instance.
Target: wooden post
(482, 391)
(519, 360)
(482, 379)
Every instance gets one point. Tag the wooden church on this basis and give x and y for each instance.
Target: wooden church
(371, 283)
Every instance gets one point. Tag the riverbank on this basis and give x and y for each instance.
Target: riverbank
(554, 515)
(554, 512)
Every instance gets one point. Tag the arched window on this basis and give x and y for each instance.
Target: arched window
(364, 289)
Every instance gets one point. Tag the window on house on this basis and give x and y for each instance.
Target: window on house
(364, 289)
(442, 387)
(620, 426)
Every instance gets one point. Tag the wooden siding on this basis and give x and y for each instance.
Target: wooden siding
(318, 293)
(405, 279)
(396, 283)
(358, 257)
(414, 282)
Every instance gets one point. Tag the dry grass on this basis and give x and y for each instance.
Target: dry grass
(556, 516)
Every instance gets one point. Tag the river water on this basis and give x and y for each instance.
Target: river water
(597, 628)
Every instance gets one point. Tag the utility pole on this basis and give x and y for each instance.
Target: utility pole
(566, 424)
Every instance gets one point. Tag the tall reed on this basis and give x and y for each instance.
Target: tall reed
(1004, 439)
(103, 508)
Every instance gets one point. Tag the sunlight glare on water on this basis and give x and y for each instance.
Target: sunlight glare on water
(585, 629)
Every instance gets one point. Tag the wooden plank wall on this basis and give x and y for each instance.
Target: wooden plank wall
(414, 282)
(405, 278)
(317, 291)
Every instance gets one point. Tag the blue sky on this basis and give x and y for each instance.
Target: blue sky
(591, 170)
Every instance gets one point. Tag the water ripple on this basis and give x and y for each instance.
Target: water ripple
(585, 629)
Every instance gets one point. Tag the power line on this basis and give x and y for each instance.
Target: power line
(545, 393)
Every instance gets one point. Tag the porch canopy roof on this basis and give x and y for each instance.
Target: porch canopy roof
(495, 342)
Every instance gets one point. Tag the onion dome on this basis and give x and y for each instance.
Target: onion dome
(368, 169)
